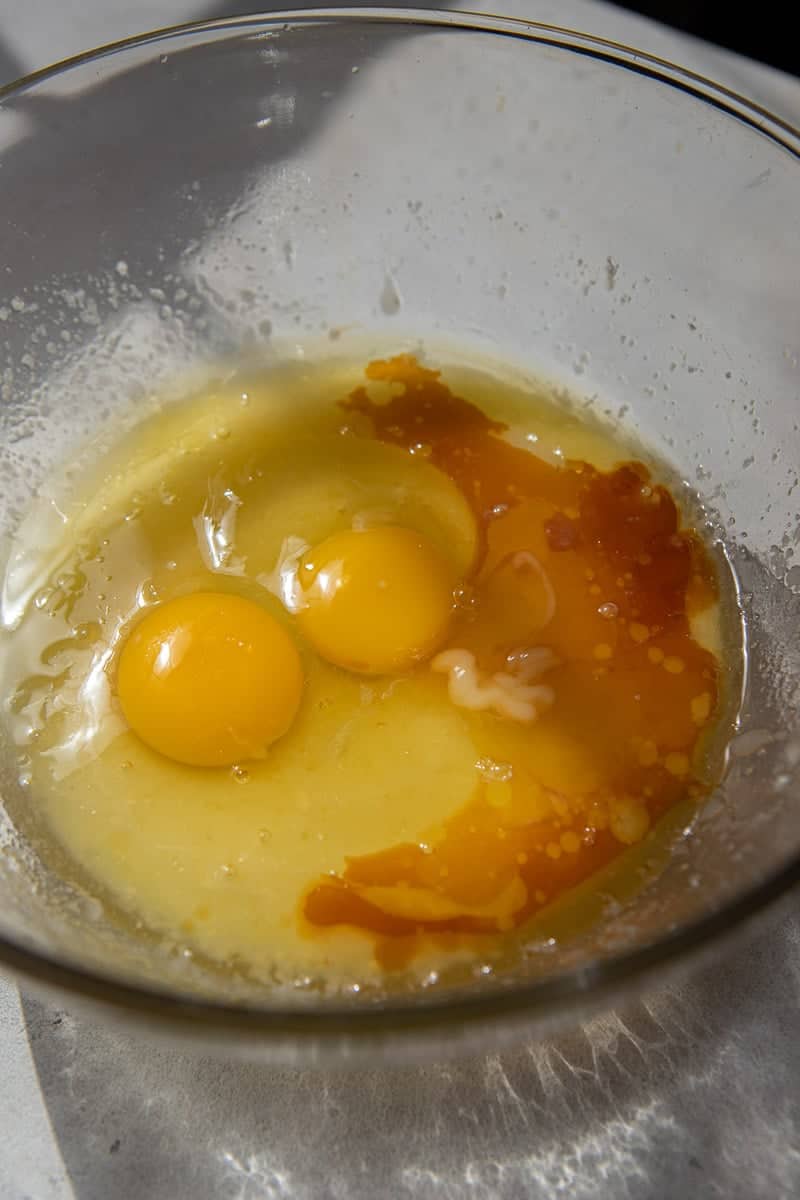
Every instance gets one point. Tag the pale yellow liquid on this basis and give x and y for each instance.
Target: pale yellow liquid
(203, 497)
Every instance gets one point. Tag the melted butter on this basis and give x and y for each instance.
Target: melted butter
(390, 825)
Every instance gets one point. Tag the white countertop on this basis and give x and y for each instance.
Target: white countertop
(693, 1090)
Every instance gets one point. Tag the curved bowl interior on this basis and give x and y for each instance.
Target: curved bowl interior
(546, 198)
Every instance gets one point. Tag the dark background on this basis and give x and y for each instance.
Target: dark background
(758, 31)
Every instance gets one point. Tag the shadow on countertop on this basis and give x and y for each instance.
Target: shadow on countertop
(684, 1092)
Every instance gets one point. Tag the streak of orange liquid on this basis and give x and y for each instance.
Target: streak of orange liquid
(633, 690)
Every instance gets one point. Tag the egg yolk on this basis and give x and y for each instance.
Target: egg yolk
(209, 679)
(375, 600)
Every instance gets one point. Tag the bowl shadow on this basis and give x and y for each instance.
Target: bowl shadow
(687, 1088)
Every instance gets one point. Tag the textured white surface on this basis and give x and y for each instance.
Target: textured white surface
(692, 1092)
(31, 1167)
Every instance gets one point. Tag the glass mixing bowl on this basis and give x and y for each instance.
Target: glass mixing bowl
(549, 198)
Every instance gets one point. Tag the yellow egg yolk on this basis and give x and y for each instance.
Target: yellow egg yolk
(375, 600)
(209, 679)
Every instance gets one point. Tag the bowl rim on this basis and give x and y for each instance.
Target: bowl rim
(431, 1008)
(763, 120)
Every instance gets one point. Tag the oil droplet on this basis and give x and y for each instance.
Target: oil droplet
(701, 707)
(677, 764)
(674, 665)
(629, 821)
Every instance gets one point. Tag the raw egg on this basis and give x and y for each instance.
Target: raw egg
(375, 600)
(209, 679)
(455, 640)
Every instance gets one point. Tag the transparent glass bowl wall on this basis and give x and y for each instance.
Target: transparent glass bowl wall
(549, 199)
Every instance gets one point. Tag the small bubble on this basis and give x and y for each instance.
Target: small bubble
(240, 774)
(609, 611)
(147, 594)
